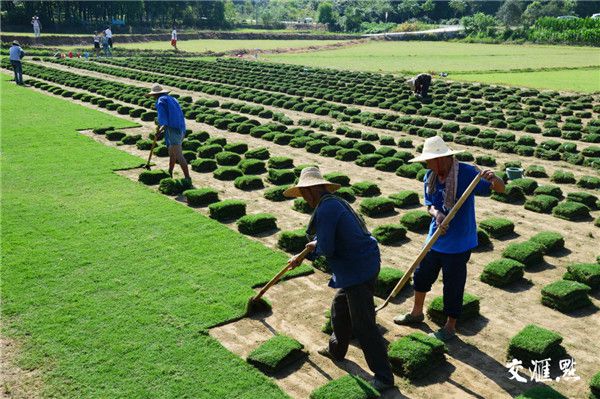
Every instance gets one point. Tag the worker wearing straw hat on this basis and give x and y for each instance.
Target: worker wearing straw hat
(337, 232)
(171, 117)
(445, 182)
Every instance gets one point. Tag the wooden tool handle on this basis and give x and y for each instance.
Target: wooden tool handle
(278, 276)
(153, 145)
(432, 241)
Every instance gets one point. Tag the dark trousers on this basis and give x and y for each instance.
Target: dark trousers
(110, 42)
(18, 69)
(353, 313)
(422, 84)
(454, 272)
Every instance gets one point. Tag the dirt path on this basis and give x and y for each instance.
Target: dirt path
(15, 381)
(476, 361)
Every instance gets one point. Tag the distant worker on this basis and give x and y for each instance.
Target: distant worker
(37, 26)
(174, 39)
(170, 117)
(15, 54)
(106, 46)
(109, 36)
(97, 43)
(420, 84)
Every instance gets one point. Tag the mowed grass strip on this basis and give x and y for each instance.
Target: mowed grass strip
(109, 285)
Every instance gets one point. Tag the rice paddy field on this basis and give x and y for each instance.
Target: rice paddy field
(123, 282)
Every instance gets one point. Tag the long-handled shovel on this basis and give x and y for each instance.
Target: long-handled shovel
(158, 130)
(432, 241)
(256, 303)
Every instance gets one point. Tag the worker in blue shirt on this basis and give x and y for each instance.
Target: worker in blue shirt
(15, 54)
(337, 232)
(170, 117)
(446, 180)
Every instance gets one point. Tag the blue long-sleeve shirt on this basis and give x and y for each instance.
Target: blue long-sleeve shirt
(352, 254)
(461, 235)
(15, 53)
(170, 113)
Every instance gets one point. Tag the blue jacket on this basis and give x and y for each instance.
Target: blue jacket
(352, 254)
(170, 113)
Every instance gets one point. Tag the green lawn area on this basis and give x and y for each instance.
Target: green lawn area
(219, 44)
(109, 286)
(579, 80)
(419, 56)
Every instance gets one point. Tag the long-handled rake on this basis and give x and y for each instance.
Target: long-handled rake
(431, 241)
(158, 131)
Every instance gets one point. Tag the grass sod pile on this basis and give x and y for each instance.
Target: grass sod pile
(386, 281)
(528, 252)
(586, 273)
(257, 224)
(405, 198)
(365, 189)
(275, 193)
(276, 353)
(551, 240)
(201, 196)
(512, 195)
(327, 327)
(541, 203)
(416, 220)
(566, 295)
(302, 206)
(589, 200)
(145, 311)
(535, 343)
(347, 387)
(595, 386)
(470, 309)
(153, 177)
(227, 210)
(541, 392)
(170, 186)
(497, 227)
(376, 207)
(292, 241)
(416, 355)
(248, 183)
(571, 210)
(388, 234)
(502, 272)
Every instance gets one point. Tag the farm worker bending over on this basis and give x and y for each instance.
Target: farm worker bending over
(15, 54)
(170, 116)
(340, 234)
(420, 84)
(445, 182)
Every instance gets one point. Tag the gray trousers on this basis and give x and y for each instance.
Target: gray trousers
(18, 70)
(353, 314)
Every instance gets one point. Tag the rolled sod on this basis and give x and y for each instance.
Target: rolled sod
(201, 196)
(549, 189)
(512, 195)
(248, 183)
(276, 353)
(552, 241)
(571, 210)
(152, 177)
(346, 193)
(541, 392)
(227, 173)
(416, 354)
(227, 210)
(365, 189)
(347, 387)
(586, 199)
(497, 227)
(339, 178)
(389, 234)
(529, 253)
(386, 281)
(302, 206)
(470, 309)
(566, 295)
(535, 343)
(416, 220)
(293, 240)
(256, 224)
(483, 239)
(170, 186)
(541, 203)
(281, 176)
(275, 194)
(376, 207)
(405, 198)
(203, 165)
(586, 273)
(502, 272)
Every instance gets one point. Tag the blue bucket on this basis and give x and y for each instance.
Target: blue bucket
(514, 173)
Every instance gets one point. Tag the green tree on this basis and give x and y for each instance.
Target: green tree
(458, 6)
(428, 6)
(480, 24)
(409, 9)
(510, 12)
(325, 13)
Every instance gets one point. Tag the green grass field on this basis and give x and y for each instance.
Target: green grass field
(579, 80)
(220, 45)
(108, 285)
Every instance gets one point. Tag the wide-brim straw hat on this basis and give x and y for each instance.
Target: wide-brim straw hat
(16, 43)
(310, 177)
(434, 147)
(157, 89)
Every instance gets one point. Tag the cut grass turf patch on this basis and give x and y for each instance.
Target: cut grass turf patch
(535, 343)
(586, 273)
(152, 177)
(292, 241)
(551, 240)
(405, 198)
(276, 353)
(256, 224)
(541, 203)
(587, 199)
(388, 234)
(377, 207)
(170, 186)
(497, 227)
(386, 281)
(248, 183)
(571, 210)
(416, 355)
(566, 295)
(347, 387)
(502, 272)
(366, 189)
(227, 210)
(302, 206)
(470, 309)
(416, 220)
(201, 196)
(529, 253)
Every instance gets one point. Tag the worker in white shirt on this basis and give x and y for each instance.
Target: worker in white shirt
(108, 34)
(174, 39)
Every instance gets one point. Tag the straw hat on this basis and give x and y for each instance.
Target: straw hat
(15, 43)
(411, 83)
(434, 147)
(157, 89)
(310, 177)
